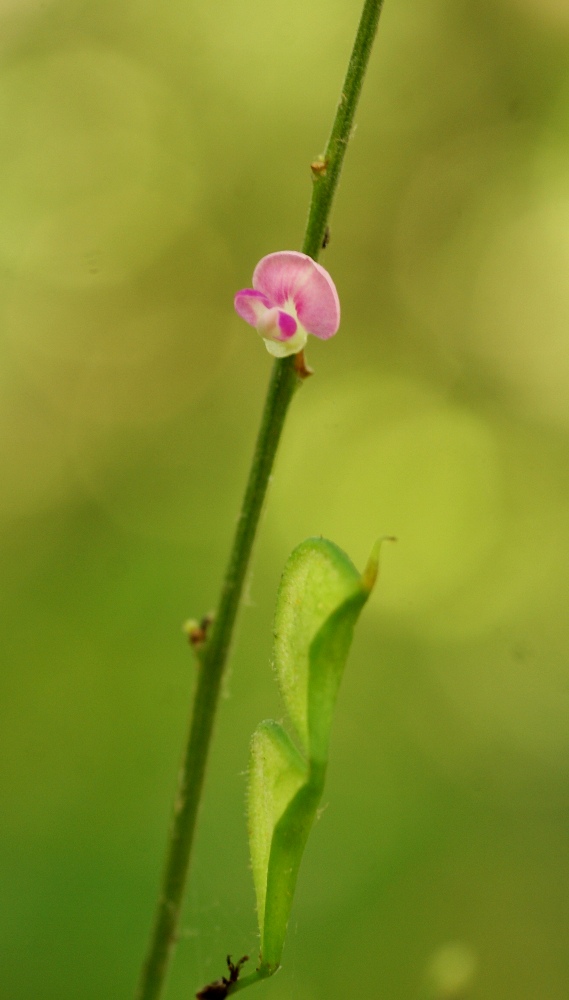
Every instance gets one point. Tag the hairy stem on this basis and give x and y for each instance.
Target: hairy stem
(287, 375)
(326, 170)
(263, 972)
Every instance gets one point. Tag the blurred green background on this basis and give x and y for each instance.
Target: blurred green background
(149, 156)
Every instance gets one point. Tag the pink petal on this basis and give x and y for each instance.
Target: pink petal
(317, 304)
(287, 325)
(251, 305)
(289, 274)
(280, 275)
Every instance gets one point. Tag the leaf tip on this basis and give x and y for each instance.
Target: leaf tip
(369, 575)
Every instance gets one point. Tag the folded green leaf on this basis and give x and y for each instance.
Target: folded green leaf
(287, 847)
(276, 773)
(319, 600)
(317, 579)
(327, 658)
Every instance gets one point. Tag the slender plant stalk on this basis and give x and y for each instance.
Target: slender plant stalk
(287, 375)
(327, 170)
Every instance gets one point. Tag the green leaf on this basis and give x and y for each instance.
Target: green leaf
(317, 578)
(327, 658)
(318, 581)
(276, 773)
(287, 847)
(319, 600)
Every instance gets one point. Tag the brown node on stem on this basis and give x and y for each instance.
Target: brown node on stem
(197, 632)
(319, 166)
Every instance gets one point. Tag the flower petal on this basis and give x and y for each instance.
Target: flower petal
(277, 324)
(317, 304)
(287, 325)
(251, 305)
(284, 348)
(292, 276)
(280, 275)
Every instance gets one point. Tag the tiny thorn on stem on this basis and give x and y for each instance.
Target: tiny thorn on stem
(302, 369)
(326, 237)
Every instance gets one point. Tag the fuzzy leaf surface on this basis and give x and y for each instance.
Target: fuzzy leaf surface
(327, 658)
(317, 579)
(276, 773)
(287, 847)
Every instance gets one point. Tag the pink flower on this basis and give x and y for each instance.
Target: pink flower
(291, 297)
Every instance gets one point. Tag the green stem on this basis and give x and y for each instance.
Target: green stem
(286, 376)
(263, 972)
(212, 659)
(327, 172)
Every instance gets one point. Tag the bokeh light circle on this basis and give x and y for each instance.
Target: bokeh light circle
(96, 175)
